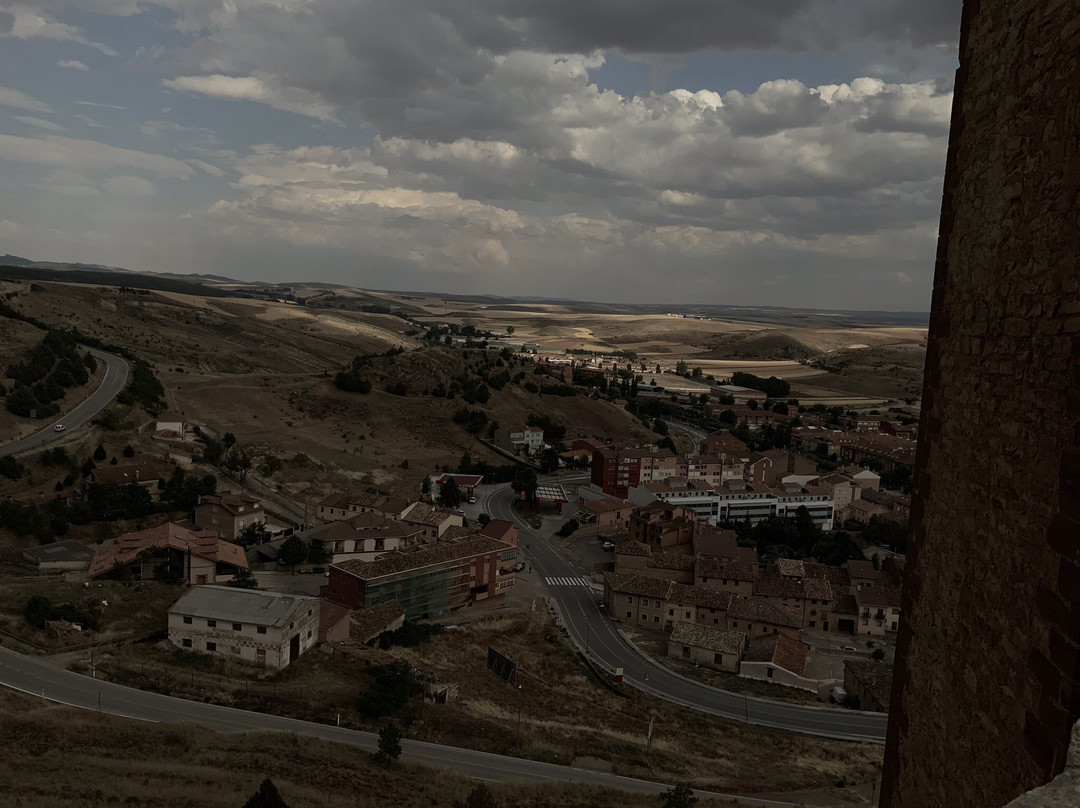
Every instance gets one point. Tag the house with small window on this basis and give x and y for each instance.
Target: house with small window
(269, 629)
(708, 646)
(228, 515)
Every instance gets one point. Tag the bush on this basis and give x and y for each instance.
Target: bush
(143, 387)
(393, 686)
(409, 635)
(569, 526)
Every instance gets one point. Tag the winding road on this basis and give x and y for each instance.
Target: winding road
(598, 637)
(36, 677)
(116, 376)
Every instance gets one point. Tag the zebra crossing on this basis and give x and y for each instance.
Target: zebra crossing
(563, 581)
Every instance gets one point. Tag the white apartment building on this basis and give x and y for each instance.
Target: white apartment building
(265, 628)
(734, 501)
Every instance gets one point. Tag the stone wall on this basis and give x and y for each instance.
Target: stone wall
(987, 682)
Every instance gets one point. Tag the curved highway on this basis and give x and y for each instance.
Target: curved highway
(116, 376)
(597, 635)
(36, 677)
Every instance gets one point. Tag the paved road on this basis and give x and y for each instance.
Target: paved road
(696, 435)
(116, 376)
(596, 634)
(36, 677)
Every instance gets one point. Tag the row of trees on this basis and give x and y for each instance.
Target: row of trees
(45, 373)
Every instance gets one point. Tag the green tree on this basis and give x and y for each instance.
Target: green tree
(450, 494)
(292, 552)
(479, 797)
(266, 797)
(255, 533)
(100, 453)
(525, 482)
(681, 367)
(659, 426)
(129, 451)
(484, 520)
(244, 579)
(681, 796)
(549, 461)
(510, 329)
(425, 486)
(390, 742)
(392, 687)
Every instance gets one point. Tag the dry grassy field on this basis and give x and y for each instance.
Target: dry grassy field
(57, 756)
(562, 713)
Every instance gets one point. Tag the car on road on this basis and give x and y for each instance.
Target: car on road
(518, 567)
(848, 648)
(472, 500)
(608, 545)
(58, 428)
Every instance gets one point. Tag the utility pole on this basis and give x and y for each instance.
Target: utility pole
(648, 737)
(746, 706)
(521, 701)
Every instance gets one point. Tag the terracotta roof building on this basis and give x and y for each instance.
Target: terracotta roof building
(707, 645)
(870, 682)
(228, 514)
(168, 552)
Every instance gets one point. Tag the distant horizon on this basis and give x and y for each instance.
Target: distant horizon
(668, 307)
(790, 152)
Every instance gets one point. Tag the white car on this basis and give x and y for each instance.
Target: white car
(609, 545)
(58, 428)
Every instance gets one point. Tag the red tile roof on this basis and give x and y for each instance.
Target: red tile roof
(779, 649)
(121, 475)
(128, 547)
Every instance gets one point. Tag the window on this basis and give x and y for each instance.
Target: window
(629, 614)
(260, 629)
(769, 672)
(671, 613)
(734, 623)
(211, 623)
(718, 659)
(309, 612)
(187, 620)
(237, 626)
(686, 650)
(211, 646)
(629, 599)
(656, 618)
(813, 623)
(186, 642)
(764, 629)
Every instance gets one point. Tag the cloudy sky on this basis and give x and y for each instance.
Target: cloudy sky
(784, 152)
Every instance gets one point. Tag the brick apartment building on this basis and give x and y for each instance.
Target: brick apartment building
(428, 581)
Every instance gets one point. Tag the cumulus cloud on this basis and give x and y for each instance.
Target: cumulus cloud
(254, 88)
(13, 98)
(788, 169)
(23, 22)
(40, 123)
(80, 155)
(72, 64)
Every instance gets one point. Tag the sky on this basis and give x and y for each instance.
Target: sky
(743, 152)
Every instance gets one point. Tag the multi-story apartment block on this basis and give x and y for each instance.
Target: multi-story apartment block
(428, 581)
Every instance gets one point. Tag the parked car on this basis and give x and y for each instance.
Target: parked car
(58, 428)
(472, 500)
(848, 648)
(608, 545)
(518, 567)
